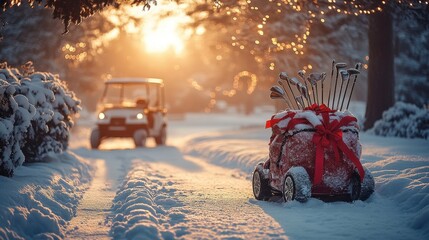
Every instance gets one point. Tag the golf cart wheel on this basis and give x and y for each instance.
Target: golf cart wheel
(95, 138)
(355, 187)
(260, 187)
(367, 186)
(140, 137)
(296, 185)
(161, 139)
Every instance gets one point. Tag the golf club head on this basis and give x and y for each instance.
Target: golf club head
(315, 77)
(340, 65)
(301, 73)
(344, 75)
(358, 66)
(277, 90)
(283, 76)
(300, 101)
(276, 95)
(294, 81)
(303, 90)
(353, 71)
(312, 81)
(323, 76)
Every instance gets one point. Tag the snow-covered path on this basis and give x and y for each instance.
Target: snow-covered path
(94, 208)
(217, 202)
(211, 201)
(198, 187)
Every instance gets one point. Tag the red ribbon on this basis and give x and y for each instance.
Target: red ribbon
(273, 121)
(327, 134)
(319, 108)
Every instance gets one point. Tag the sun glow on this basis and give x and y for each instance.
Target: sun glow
(164, 27)
(160, 36)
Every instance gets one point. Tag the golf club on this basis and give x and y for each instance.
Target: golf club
(330, 83)
(344, 77)
(303, 90)
(283, 76)
(351, 72)
(300, 101)
(358, 66)
(301, 74)
(315, 78)
(338, 66)
(278, 93)
(280, 82)
(312, 83)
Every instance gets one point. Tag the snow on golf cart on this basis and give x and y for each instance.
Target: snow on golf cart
(314, 151)
(131, 107)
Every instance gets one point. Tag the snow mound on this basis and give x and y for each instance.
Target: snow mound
(145, 207)
(46, 203)
(230, 150)
(404, 178)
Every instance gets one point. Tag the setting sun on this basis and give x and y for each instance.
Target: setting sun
(159, 36)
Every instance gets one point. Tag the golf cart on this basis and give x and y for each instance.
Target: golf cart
(314, 149)
(131, 107)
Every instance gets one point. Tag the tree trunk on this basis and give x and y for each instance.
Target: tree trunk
(381, 78)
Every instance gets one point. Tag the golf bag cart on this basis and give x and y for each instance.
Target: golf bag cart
(314, 149)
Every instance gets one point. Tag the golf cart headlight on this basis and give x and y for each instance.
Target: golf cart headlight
(101, 116)
(139, 116)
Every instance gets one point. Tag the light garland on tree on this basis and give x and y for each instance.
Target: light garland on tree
(313, 10)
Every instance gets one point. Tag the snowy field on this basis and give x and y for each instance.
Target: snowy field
(198, 187)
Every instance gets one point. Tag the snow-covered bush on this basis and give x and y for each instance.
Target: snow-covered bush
(36, 116)
(414, 90)
(403, 120)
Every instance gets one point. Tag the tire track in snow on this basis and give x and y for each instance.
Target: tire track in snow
(94, 207)
(145, 206)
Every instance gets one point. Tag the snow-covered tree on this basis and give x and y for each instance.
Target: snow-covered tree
(412, 63)
(37, 110)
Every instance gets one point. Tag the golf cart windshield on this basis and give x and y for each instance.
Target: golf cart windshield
(131, 95)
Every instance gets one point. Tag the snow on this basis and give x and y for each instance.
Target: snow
(400, 168)
(199, 187)
(145, 206)
(42, 197)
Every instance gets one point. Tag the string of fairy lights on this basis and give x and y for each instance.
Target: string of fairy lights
(314, 10)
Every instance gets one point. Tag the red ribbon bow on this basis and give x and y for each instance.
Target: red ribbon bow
(329, 134)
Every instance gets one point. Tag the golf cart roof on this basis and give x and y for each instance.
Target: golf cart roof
(134, 80)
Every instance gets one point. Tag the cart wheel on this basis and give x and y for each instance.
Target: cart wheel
(261, 189)
(289, 189)
(296, 185)
(367, 186)
(161, 139)
(140, 137)
(355, 187)
(95, 138)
